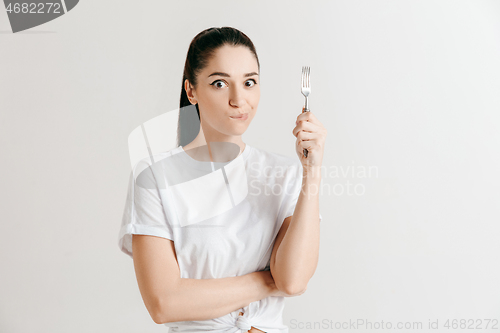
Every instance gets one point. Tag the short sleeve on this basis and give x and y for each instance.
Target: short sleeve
(292, 191)
(144, 212)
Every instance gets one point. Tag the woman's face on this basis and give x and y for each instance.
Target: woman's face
(227, 88)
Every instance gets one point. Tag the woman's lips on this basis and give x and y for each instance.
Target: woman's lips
(240, 117)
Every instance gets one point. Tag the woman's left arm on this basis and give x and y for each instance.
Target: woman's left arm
(296, 249)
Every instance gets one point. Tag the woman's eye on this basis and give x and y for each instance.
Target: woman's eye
(254, 83)
(216, 84)
(220, 84)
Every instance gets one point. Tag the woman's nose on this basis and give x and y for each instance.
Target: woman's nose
(237, 97)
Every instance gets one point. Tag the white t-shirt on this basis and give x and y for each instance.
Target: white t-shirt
(222, 217)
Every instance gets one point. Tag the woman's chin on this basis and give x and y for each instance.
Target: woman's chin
(237, 128)
(236, 131)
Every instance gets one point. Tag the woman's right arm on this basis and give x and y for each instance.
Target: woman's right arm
(170, 298)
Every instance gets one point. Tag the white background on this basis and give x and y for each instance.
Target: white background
(410, 88)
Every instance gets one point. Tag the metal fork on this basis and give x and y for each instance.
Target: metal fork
(306, 90)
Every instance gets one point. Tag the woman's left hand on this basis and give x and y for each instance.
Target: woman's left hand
(311, 135)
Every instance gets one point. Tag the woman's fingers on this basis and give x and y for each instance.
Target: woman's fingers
(307, 117)
(306, 126)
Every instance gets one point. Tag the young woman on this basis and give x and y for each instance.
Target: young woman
(220, 231)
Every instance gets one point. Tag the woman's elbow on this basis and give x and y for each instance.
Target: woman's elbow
(161, 314)
(297, 291)
(292, 289)
(158, 319)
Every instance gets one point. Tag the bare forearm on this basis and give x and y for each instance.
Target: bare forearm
(298, 253)
(202, 299)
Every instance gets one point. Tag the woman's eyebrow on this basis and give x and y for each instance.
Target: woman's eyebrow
(227, 75)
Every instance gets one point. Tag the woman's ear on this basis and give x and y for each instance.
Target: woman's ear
(190, 92)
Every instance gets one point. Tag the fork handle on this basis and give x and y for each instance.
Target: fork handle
(306, 109)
